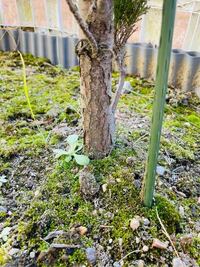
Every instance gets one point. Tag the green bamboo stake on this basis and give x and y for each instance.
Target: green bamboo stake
(168, 18)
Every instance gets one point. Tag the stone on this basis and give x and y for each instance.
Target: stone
(82, 230)
(181, 211)
(160, 170)
(110, 241)
(13, 251)
(127, 88)
(88, 184)
(32, 254)
(186, 240)
(135, 223)
(177, 262)
(61, 130)
(137, 183)
(116, 264)
(42, 256)
(94, 212)
(64, 257)
(137, 240)
(3, 209)
(140, 263)
(91, 255)
(146, 222)
(159, 244)
(130, 161)
(104, 187)
(145, 248)
(54, 112)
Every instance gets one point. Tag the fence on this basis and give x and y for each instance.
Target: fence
(53, 16)
(141, 58)
(54, 37)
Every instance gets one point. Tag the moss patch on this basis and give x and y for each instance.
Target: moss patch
(47, 193)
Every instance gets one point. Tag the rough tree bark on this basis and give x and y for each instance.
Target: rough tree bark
(95, 72)
(105, 31)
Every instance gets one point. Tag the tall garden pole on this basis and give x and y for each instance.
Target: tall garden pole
(168, 18)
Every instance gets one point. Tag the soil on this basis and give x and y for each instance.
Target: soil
(50, 222)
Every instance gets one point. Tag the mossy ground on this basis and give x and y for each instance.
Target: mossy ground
(43, 195)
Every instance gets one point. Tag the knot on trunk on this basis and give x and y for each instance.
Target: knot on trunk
(83, 47)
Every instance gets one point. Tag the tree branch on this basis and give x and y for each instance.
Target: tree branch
(119, 57)
(83, 25)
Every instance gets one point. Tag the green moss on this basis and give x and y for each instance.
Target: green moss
(3, 257)
(77, 257)
(194, 249)
(2, 215)
(54, 95)
(193, 118)
(167, 213)
(177, 149)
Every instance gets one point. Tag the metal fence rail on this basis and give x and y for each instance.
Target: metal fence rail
(53, 16)
(141, 58)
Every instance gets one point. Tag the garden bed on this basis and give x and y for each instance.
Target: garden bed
(42, 195)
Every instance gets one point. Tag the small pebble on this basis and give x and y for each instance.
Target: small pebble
(104, 187)
(91, 255)
(13, 251)
(187, 124)
(137, 183)
(82, 230)
(137, 240)
(145, 248)
(159, 244)
(146, 222)
(127, 88)
(94, 213)
(110, 241)
(181, 211)
(3, 209)
(32, 254)
(140, 263)
(37, 192)
(177, 262)
(160, 170)
(130, 161)
(135, 223)
(64, 257)
(116, 264)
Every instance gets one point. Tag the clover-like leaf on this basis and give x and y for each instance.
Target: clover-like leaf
(71, 139)
(81, 159)
(60, 152)
(68, 158)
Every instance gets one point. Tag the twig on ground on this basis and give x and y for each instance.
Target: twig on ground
(166, 233)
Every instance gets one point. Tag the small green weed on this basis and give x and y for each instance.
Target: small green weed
(75, 145)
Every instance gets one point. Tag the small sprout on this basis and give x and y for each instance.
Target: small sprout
(75, 145)
(81, 159)
(2, 180)
(72, 139)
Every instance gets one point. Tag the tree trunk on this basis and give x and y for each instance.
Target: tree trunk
(96, 75)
